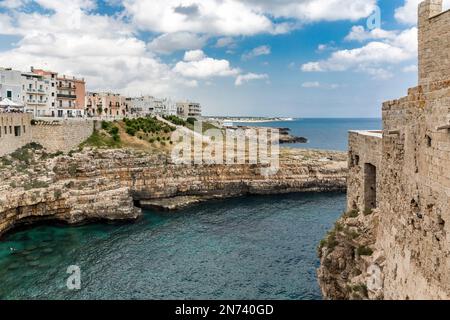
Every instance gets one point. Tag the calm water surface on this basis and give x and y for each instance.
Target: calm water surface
(244, 248)
(328, 134)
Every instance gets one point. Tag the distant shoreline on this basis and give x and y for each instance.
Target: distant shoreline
(250, 120)
(262, 121)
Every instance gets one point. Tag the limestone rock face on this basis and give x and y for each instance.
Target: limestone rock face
(107, 184)
(347, 255)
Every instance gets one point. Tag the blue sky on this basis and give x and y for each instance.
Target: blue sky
(299, 58)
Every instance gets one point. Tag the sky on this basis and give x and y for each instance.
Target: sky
(292, 58)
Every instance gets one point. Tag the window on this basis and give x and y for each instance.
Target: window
(10, 129)
(370, 186)
(9, 94)
(17, 131)
(24, 130)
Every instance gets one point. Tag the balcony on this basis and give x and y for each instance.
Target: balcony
(66, 96)
(36, 102)
(35, 91)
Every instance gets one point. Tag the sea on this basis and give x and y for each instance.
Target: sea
(253, 247)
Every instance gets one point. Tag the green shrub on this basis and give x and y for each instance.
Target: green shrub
(364, 251)
(35, 184)
(131, 131)
(72, 169)
(360, 289)
(105, 125)
(6, 161)
(100, 140)
(191, 120)
(175, 120)
(352, 213)
(58, 194)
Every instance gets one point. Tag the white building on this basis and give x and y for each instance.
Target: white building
(142, 106)
(164, 107)
(148, 105)
(189, 109)
(11, 85)
(37, 94)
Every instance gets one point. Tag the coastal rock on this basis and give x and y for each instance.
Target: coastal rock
(108, 184)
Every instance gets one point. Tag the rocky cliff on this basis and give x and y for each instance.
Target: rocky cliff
(350, 266)
(108, 184)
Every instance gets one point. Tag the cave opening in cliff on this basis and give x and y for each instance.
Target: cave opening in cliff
(370, 186)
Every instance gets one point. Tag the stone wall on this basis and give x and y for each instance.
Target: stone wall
(15, 131)
(414, 231)
(364, 149)
(409, 231)
(434, 41)
(63, 135)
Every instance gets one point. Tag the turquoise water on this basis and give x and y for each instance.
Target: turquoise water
(328, 134)
(245, 248)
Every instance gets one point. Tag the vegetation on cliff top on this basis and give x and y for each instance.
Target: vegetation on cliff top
(108, 137)
(190, 123)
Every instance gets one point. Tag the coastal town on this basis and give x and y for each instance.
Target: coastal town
(49, 94)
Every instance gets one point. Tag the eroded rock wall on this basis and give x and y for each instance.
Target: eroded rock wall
(105, 184)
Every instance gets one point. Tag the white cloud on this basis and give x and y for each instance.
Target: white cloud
(408, 12)
(12, 4)
(6, 26)
(197, 65)
(317, 84)
(216, 17)
(170, 42)
(256, 52)
(373, 58)
(102, 49)
(240, 17)
(225, 42)
(241, 79)
(316, 10)
(411, 68)
(322, 47)
(194, 55)
(314, 84)
(359, 33)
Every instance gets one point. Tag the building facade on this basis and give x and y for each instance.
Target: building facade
(70, 98)
(189, 109)
(105, 104)
(36, 92)
(142, 106)
(50, 79)
(11, 85)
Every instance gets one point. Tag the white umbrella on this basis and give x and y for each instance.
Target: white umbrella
(6, 103)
